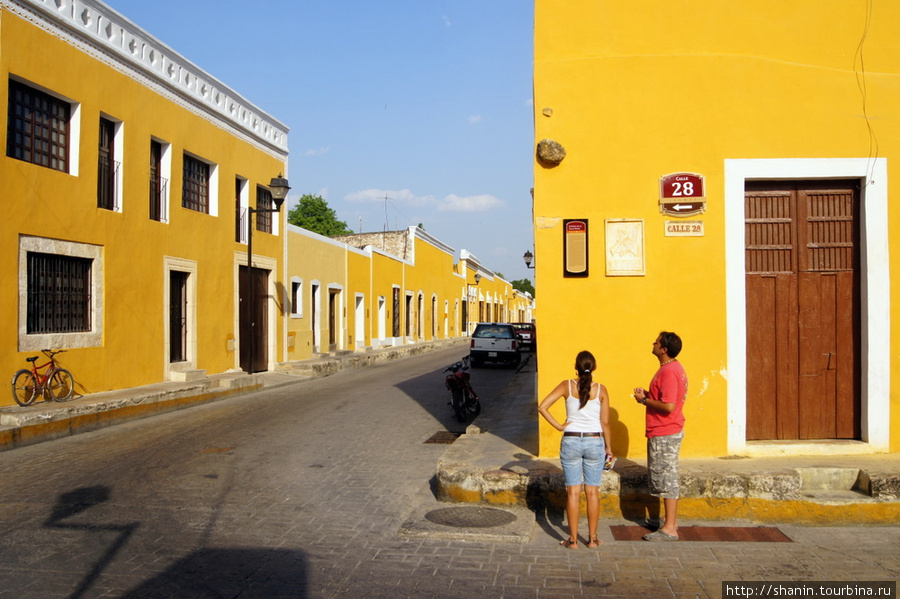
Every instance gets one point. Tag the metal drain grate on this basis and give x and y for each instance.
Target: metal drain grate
(443, 437)
(470, 517)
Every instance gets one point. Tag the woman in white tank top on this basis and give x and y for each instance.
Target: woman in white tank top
(585, 444)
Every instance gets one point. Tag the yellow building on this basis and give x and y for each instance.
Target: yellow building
(127, 176)
(370, 290)
(317, 280)
(721, 170)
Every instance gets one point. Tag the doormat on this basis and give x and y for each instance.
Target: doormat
(446, 437)
(726, 534)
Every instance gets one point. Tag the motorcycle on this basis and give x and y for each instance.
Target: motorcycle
(463, 398)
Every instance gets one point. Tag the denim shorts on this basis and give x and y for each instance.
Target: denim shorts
(582, 460)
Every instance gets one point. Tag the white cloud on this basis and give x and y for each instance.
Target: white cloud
(475, 118)
(480, 203)
(317, 152)
(446, 20)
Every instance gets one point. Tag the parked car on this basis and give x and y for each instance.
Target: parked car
(528, 334)
(494, 342)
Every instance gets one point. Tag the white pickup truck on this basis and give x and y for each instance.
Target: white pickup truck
(494, 342)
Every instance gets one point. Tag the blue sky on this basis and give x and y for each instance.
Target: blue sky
(427, 102)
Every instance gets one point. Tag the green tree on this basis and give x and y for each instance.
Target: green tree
(314, 214)
(523, 285)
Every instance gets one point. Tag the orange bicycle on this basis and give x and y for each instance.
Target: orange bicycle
(55, 381)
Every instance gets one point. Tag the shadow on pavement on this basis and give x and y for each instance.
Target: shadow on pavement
(204, 574)
(218, 573)
(430, 391)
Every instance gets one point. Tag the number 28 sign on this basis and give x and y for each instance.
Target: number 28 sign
(681, 186)
(682, 194)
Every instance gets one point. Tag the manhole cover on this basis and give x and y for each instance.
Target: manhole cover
(443, 437)
(470, 517)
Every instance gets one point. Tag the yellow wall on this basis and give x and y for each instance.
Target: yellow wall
(315, 260)
(634, 91)
(49, 204)
(387, 271)
(429, 275)
(359, 281)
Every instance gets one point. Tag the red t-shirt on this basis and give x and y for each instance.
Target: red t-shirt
(669, 385)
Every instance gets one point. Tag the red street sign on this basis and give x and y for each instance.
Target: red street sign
(681, 186)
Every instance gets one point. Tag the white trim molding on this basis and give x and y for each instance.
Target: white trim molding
(875, 313)
(107, 35)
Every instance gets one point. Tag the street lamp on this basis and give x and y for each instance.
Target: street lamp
(466, 305)
(529, 259)
(279, 188)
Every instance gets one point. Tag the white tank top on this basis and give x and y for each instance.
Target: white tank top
(587, 419)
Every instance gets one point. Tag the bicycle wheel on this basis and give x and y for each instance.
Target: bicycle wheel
(24, 387)
(61, 384)
(458, 408)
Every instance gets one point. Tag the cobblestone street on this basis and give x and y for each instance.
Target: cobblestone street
(299, 491)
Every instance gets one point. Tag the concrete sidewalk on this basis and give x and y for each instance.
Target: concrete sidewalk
(495, 462)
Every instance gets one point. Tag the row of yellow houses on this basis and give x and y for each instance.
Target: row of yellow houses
(723, 170)
(128, 179)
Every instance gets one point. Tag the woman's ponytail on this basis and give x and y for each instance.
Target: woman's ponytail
(585, 364)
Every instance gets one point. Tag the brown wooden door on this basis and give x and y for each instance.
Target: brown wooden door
(254, 319)
(332, 320)
(802, 291)
(178, 310)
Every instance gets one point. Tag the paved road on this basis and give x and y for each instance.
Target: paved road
(299, 491)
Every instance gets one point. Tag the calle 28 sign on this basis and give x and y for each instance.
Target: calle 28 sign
(682, 194)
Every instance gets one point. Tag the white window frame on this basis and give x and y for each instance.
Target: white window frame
(38, 341)
(213, 184)
(875, 313)
(119, 157)
(296, 306)
(165, 172)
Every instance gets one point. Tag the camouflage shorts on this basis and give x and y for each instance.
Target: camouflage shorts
(662, 461)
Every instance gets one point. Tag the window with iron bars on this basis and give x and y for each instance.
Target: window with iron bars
(195, 189)
(59, 294)
(264, 202)
(37, 127)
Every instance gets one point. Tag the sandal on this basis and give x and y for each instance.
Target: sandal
(594, 542)
(569, 544)
(660, 535)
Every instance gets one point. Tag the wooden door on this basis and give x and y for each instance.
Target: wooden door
(178, 310)
(254, 319)
(332, 320)
(802, 292)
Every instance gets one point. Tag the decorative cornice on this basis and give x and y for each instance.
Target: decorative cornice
(109, 36)
(421, 234)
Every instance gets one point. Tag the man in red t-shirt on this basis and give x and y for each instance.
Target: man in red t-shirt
(665, 429)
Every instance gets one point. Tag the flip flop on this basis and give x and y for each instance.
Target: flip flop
(660, 535)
